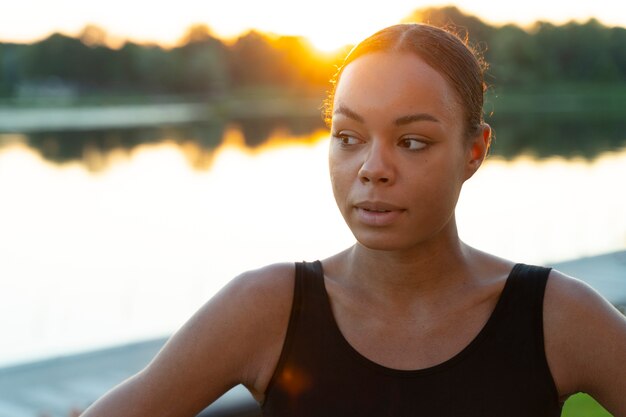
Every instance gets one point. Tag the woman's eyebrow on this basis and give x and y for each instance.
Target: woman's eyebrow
(348, 113)
(417, 117)
(401, 121)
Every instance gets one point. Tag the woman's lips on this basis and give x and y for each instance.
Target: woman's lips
(377, 214)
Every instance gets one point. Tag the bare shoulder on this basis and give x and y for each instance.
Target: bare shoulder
(254, 306)
(235, 338)
(568, 298)
(585, 338)
(263, 291)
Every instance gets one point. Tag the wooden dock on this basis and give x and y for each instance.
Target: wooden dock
(55, 387)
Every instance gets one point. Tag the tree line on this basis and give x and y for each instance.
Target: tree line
(543, 53)
(206, 66)
(203, 65)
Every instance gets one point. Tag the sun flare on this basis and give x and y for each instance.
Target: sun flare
(327, 24)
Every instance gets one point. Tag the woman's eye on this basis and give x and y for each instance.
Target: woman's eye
(346, 140)
(412, 144)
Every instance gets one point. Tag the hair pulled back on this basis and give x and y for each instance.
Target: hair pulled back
(444, 51)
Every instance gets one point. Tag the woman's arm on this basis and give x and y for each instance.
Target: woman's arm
(585, 340)
(234, 338)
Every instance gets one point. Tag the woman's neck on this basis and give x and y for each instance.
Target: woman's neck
(420, 268)
(427, 270)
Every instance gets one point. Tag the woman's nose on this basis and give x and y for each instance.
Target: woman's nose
(377, 167)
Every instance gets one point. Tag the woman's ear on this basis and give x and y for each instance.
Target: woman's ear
(477, 149)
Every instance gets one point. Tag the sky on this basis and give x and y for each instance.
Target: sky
(328, 24)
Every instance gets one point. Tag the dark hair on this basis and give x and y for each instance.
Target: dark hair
(443, 50)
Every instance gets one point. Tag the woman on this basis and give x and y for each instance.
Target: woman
(409, 321)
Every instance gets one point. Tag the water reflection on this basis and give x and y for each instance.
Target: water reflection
(547, 135)
(541, 135)
(92, 147)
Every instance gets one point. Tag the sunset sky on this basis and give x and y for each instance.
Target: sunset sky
(327, 24)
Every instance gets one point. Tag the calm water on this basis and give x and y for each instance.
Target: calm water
(102, 244)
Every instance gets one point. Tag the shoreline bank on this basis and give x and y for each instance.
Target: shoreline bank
(93, 117)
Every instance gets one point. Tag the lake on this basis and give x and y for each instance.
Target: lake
(112, 236)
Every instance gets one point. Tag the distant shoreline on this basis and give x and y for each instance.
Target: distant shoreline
(93, 113)
(51, 118)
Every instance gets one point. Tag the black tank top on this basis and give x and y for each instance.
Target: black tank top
(503, 372)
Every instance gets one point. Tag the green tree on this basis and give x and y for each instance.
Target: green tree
(450, 17)
(203, 61)
(574, 52)
(9, 70)
(253, 60)
(512, 54)
(617, 50)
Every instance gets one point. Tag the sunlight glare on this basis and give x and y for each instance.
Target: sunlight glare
(328, 24)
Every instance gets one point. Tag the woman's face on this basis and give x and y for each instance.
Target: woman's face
(398, 154)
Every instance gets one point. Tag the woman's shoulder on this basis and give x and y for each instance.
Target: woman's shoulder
(567, 297)
(241, 328)
(262, 299)
(234, 338)
(269, 282)
(259, 295)
(585, 339)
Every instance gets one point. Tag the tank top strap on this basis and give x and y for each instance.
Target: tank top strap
(311, 283)
(307, 320)
(524, 291)
(520, 312)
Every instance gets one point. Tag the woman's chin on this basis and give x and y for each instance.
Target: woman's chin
(401, 240)
(382, 243)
